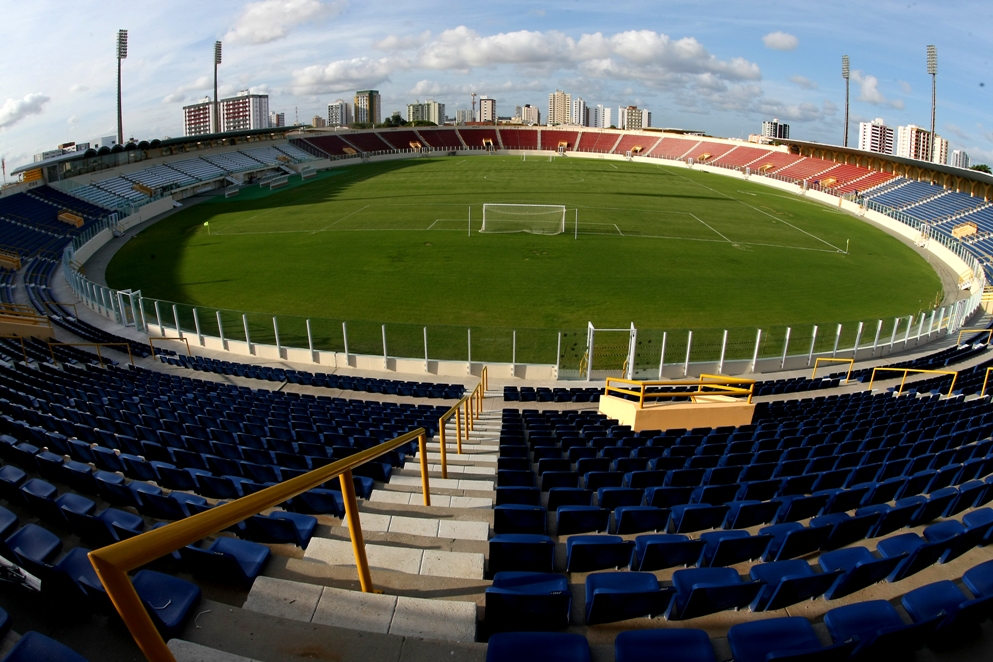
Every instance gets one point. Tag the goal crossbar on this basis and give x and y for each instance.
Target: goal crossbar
(517, 217)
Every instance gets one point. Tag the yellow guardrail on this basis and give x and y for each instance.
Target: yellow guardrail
(112, 563)
(985, 381)
(153, 338)
(98, 345)
(818, 361)
(467, 409)
(988, 332)
(907, 371)
(705, 385)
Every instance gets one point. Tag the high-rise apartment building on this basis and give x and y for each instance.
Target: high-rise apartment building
(487, 109)
(600, 117)
(559, 108)
(960, 159)
(238, 113)
(875, 136)
(318, 122)
(339, 113)
(914, 142)
(463, 116)
(368, 107)
(277, 120)
(580, 114)
(646, 118)
(632, 118)
(429, 111)
(776, 129)
(529, 114)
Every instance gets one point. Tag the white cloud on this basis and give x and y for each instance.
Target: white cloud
(269, 20)
(15, 110)
(179, 94)
(956, 130)
(403, 43)
(780, 41)
(343, 75)
(869, 91)
(78, 87)
(803, 82)
(905, 87)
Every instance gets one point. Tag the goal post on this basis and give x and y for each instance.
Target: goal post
(536, 219)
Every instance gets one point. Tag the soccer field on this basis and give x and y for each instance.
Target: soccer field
(399, 243)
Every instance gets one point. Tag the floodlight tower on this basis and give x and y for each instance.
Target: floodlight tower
(122, 52)
(217, 110)
(473, 116)
(932, 68)
(845, 72)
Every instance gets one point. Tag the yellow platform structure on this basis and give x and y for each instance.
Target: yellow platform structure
(710, 401)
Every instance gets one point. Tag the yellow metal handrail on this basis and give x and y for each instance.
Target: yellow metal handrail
(906, 371)
(24, 349)
(850, 362)
(98, 345)
(152, 345)
(985, 381)
(112, 563)
(988, 332)
(705, 385)
(471, 413)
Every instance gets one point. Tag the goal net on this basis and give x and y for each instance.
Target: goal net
(536, 219)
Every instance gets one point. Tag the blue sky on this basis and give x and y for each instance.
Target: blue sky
(718, 66)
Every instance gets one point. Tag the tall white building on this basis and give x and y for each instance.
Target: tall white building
(368, 107)
(875, 136)
(632, 118)
(600, 117)
(960, 159)
(580, 114)
(914, 142)
(529, 114)
(277, 120)
(776, 129)
(487, 109)
(238, 113)
(339, 113)
(463, 116)
(559, 108)
(429, 111)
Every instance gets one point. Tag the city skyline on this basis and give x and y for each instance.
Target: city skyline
(722, 77)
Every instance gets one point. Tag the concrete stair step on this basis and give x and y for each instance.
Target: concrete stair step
(443, 483)
(423, 526)
(446, 620)
(468, 471)
(434, 563)
(413, 498)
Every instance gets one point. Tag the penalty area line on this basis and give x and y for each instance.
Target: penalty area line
(342, 219)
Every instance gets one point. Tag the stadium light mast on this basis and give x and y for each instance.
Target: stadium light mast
(122, 53)
(217, 109)
(845, 72)
(932, 68)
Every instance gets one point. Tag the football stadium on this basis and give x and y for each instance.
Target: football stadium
(494, 392)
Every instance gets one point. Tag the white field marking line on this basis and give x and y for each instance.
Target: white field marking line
(618, 230)
(463, 221)
(710, 241)
(765, 213)
(613, 166)
(712, 229)
(342, 219)
(263, 213)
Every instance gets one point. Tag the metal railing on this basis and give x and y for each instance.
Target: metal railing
(820, 359)
(468, 409)
(98, 345)
(907, 371)
(988, 332)
(151, 343)
(112, 563)
(706, 385)
(982, 394)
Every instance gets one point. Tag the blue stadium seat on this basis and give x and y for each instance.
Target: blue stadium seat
(281, 527)
(581, 519)
(597, 552)
(790, 638)
(618, 596)
(959, 614)
(518, 518)
(915, 553)
(521, 552)
(701, 591)
(792, 539)
(36, 647)
(879, 630)
(167, 599)
(860, 567)
(227, 560)
(520, 601)
(724, 548)
(663, 550)
(639, 519)
(789, 582)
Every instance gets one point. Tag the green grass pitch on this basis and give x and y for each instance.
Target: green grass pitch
(389, 242)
